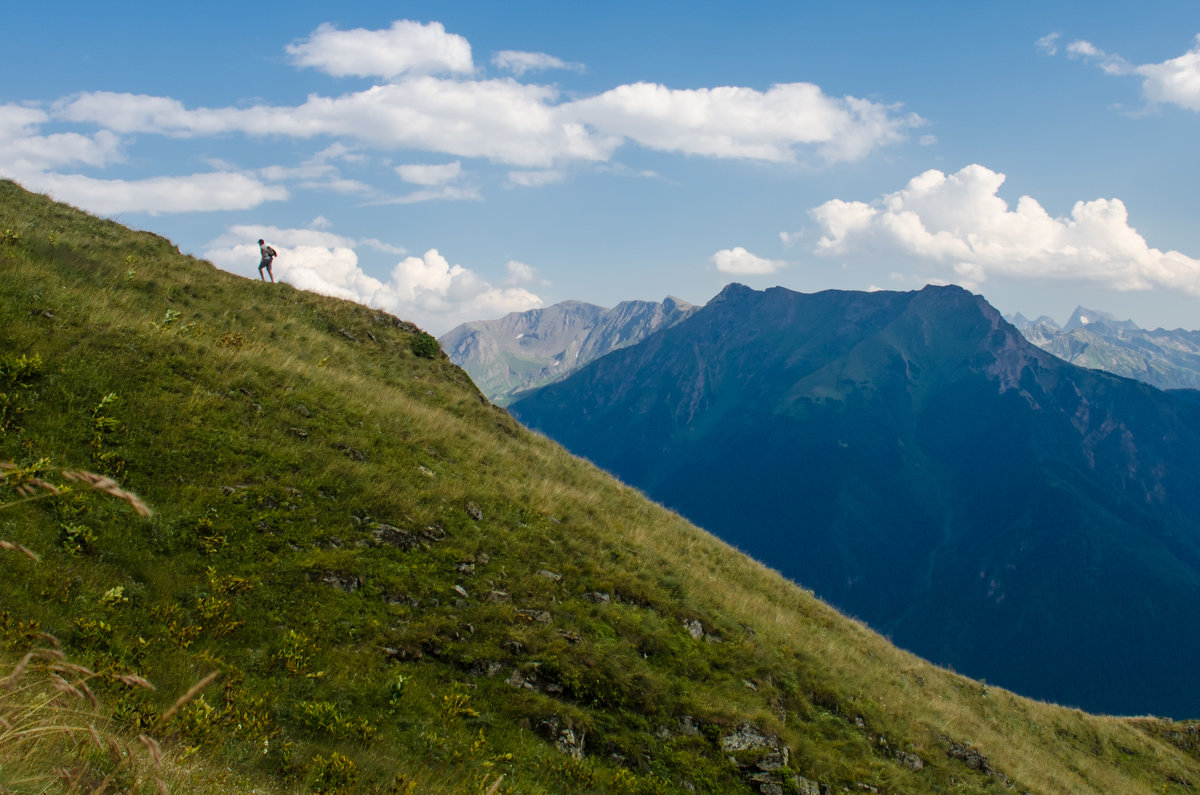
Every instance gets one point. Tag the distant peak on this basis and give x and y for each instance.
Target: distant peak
(1083, 317)
(731, 291)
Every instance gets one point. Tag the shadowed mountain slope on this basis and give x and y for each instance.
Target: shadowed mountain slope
(918, 463)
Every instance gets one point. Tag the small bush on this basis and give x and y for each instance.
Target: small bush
(426, 346)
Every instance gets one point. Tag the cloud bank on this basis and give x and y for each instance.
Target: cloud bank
(956, 228)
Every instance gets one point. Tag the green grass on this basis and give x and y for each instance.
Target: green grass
(376, 561)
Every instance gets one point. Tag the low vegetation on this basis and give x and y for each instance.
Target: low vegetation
(359, 575)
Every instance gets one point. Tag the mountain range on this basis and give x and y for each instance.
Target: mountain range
(914, 460)
(1167, 359)
(524, 350)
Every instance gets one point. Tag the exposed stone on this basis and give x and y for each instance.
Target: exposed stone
(352, 453)
(343, 581)
(434, 533)
(595, 597)
(394, 537)
(535, 616)
(461, 591)
(499, 597)
(303, 411)
(911, 761)
(467, 568)
(763, 758)
(806, 786)
(549, 575)
(488, 668)
(346, 333)
(474, 511)
(567, 739)
(299, 433)
(694, 628)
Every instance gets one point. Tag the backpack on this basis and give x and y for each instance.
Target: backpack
(271, 253)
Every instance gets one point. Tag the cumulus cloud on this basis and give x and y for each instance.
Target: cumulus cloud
(740, 261)
(519, 273)
(404, 48)
(26, 151)
(500, 120)
(156, 195)
(510, 122)
(738, 122)
(427, 98)
(427, 290)
(958, 228)
(422, 174)
(519, 62)
(1175, 81)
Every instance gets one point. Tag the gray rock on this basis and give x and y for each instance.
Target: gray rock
(342, 580)
(392, 536)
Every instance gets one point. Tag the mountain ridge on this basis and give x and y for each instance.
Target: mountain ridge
(1167, 359)
(524, 350)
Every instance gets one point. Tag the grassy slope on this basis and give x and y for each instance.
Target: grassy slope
(325, 498)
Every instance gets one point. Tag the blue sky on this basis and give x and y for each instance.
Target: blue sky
(450, 161)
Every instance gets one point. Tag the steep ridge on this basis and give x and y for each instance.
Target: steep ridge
(525, 350)
(919, 464)
(401, 590)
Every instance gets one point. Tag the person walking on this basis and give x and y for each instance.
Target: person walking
(268, 256)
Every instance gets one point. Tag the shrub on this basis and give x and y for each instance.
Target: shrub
(425, 346)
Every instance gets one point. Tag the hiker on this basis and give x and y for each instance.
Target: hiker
(268, 255)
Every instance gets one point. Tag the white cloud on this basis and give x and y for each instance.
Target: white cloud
(429, 100)
(958, 228)
(422, 174)
(24, 151)
(404, 48)
(1048, 43)
(1175, 81)
(740, 261)
(449, 193)
(534, 179)
(156, 195)
(519, 62)
(427, 290)
(527, 125)
(519, 273)
(737, 122)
